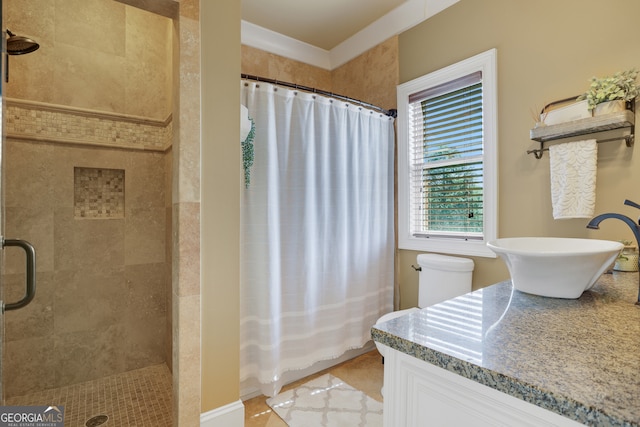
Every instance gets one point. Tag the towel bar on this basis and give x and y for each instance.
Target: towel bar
(629, 140)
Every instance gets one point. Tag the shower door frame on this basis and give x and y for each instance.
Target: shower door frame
(3, 71)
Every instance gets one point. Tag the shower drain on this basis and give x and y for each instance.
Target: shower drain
(96, 421)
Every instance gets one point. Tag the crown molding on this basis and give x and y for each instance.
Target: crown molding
(279, 44)
(405, 16)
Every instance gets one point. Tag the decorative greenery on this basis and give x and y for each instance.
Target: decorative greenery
(247, 153)
(622, 86)
(627, 245)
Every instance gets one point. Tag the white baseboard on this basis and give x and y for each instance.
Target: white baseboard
(231, 415)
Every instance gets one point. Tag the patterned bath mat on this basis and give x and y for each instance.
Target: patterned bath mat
(327, 401)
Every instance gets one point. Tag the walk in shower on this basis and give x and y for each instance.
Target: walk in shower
(87, 180)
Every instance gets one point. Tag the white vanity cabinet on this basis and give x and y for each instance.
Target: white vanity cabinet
(419, 394)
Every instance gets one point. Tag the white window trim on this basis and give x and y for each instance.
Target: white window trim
(485, 62)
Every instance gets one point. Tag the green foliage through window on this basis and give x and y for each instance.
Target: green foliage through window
(448, 164)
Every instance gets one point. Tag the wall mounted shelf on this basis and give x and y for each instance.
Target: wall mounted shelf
(589, 125)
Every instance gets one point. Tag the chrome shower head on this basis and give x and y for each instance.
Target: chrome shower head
(19, 45)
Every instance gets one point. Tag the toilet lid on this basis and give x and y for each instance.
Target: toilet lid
(445, 262)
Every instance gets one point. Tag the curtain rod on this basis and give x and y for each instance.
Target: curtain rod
(391, 113)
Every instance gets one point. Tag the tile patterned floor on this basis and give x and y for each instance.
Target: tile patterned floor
(137, 398)
(142, 397)
(364, 373)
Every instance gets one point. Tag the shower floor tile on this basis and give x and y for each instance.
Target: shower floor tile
(136, 398)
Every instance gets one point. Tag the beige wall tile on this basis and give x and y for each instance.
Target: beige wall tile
(35, 18)
(168, 158)
(145, 343)
(149, 56)
(145, 180)
(190, 9)
(168, 8)
(28, 366)
(186, 361)
(34, 320)
(186, 249)
(34, 225)
(264, 64)
(168, 291)
(168, 177)
(186, 147)
(87, 300)
(145, 294)
(92, 55)
(371, 77)
(87, 242)
(30, 165)
(90, 79)
(73, 350)
(93, 25)
(144, 237)
(30, 75)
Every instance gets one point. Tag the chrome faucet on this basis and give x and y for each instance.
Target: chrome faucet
(635, 228)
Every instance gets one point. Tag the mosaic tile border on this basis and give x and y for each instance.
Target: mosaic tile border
(53, 123)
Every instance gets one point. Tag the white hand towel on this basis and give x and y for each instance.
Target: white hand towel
(573, 178)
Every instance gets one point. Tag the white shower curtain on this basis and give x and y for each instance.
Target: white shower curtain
(317, 232)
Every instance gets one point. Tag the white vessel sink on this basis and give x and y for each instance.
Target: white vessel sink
(555, 266)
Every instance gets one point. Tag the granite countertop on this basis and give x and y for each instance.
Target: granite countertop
(579, 358)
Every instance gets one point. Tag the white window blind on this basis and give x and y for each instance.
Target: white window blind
(446, 159)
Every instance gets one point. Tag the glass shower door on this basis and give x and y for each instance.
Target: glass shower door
(29, 251)
(3, 71)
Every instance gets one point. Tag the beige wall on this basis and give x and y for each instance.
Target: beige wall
(221, 185)
(94, 54)
(547, 51)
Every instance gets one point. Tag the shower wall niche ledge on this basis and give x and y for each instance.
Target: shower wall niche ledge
(68, 125)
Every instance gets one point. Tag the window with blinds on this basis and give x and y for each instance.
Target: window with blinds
(446, 156)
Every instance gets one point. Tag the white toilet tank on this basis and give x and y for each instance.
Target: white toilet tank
(442, 277)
